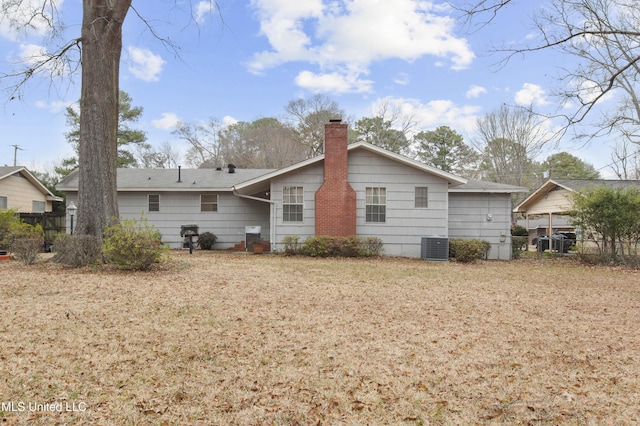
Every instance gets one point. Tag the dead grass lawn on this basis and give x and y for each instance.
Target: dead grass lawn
(234, 339)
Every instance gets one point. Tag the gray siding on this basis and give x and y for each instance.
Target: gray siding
(310, 178)
(405, 225)
(468, 219)
(183, 208)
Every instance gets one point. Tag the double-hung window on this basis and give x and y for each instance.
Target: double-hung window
(154, 203)
(292, 204)
(3, 202)
(208, 202)
(422, 197)
(376, 205)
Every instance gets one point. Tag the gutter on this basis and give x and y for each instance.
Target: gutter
(249, 197)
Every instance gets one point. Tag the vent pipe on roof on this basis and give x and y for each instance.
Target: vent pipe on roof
(232, 168)
(179, 174)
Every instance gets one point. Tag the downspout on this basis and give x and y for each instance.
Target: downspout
(272, 215)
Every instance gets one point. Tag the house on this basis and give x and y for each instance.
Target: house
(22, 192)
(357, 189)
(546, 209)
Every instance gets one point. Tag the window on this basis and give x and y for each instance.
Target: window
(154, 202)
(3, 203)
(422, 197)
(376, 205)
(292, 204)
(37, 206)
(208, 202)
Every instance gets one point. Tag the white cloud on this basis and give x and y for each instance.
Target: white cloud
(145, 65)
(531, 94)
(475, 91)
(340, 36)
(227, 120)
(334, 82)
(461, 118)
(56, 106)
(588, 91)
(202, 10)
(168, 121)
(27, 17)
(37, 56)
(32, 53)
(402, 79)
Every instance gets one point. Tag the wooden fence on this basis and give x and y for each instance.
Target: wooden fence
(52, 223)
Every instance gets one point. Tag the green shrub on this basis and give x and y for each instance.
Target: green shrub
(76, 250)
(326, 246)
(206, 240)
(518, 245)
(519, 231)
(7, 218)
(317, 246)
(132, 244)
(468, 251)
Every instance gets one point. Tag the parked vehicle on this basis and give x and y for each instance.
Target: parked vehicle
(560, 242)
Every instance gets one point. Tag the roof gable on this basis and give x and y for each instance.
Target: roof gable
(570, 185)
(252, 185)
(6, 172)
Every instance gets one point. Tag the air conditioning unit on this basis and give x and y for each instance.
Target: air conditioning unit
(435, 248)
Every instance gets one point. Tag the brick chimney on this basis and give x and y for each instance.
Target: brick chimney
(336, 199)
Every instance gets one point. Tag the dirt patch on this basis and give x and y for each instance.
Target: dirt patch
(218, 338)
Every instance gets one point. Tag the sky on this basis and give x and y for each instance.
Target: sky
(247, 59)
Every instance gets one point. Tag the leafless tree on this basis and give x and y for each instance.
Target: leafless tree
(265, 143)
(602, 37)
(97, 52)
(626, 160)
(204, 143)
(308, 117)
(165, 157)
(510, 139)
(404, 122)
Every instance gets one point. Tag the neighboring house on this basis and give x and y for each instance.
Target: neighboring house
(358, 189)
(552, 201)
(22, 192)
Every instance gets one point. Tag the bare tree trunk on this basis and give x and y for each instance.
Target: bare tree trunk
(101, 48)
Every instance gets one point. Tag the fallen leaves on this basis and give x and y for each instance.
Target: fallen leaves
(314, 341)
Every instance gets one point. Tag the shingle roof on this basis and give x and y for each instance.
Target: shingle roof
(8, 171)
(579, 184)
(473, 185)
(167, 179)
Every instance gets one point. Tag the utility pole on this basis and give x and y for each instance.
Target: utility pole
(16, 147)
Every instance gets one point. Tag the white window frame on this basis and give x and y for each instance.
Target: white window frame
(376, 204)
(213, 203)
(293, 204)
(422, 200)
